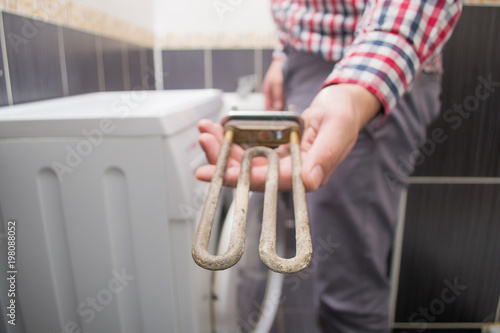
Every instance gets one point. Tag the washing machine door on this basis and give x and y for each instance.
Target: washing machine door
(246, 296)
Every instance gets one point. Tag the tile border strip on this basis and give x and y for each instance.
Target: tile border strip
(482, 2)
(218, 41)
(76, 16)
(68, 14)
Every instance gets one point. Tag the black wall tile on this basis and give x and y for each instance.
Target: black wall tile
(3, 89)
(451, 232)
(149, 71)
(134, 64)
(33, 56)
(81, 61)
(141, 67)
(112, 64)
(229, 65)
(183, 69)
(471, 58)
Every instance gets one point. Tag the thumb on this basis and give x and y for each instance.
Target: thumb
(327, 147)
(313, 179)
(312, 173)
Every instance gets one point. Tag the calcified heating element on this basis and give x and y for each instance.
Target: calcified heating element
(261, 130)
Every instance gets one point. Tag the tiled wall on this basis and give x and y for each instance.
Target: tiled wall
(45, 61)
(41, 61)
(451, 237)
(3, 87)
(470, 59)
(452, 230)
(218, 69)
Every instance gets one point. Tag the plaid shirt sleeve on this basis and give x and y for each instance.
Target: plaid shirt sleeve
(394, 38)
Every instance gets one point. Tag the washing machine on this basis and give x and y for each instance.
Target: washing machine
(99, 207)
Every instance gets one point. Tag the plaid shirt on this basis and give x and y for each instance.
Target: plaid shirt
(379, 45)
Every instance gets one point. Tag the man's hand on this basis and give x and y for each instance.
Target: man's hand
(333, 121)
(332, 124)
(272, 86)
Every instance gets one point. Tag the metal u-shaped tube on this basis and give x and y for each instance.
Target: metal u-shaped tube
(202, 238)
(267, 246)
(237, 239)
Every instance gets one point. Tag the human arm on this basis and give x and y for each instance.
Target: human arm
(272, 86)
(394, 41)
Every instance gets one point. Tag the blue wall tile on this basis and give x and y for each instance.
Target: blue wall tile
(229, 65)
(112, 64)
(81, 61)
(33, 56)
(183, 69)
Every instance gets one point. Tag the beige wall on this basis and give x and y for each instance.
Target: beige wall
(136, 12)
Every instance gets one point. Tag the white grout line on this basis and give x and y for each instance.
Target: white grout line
(396, 256)
(62, 56)
(100, 64)
(425, 325)
(125, 67)
(143, 65)
(5, 62)
(258, 68)
(158, 70)
(207, 56)
(454, 180)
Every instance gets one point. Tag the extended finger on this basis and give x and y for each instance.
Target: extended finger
(258, 176)
(328, 149)
(207, 126)
(206, 172)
